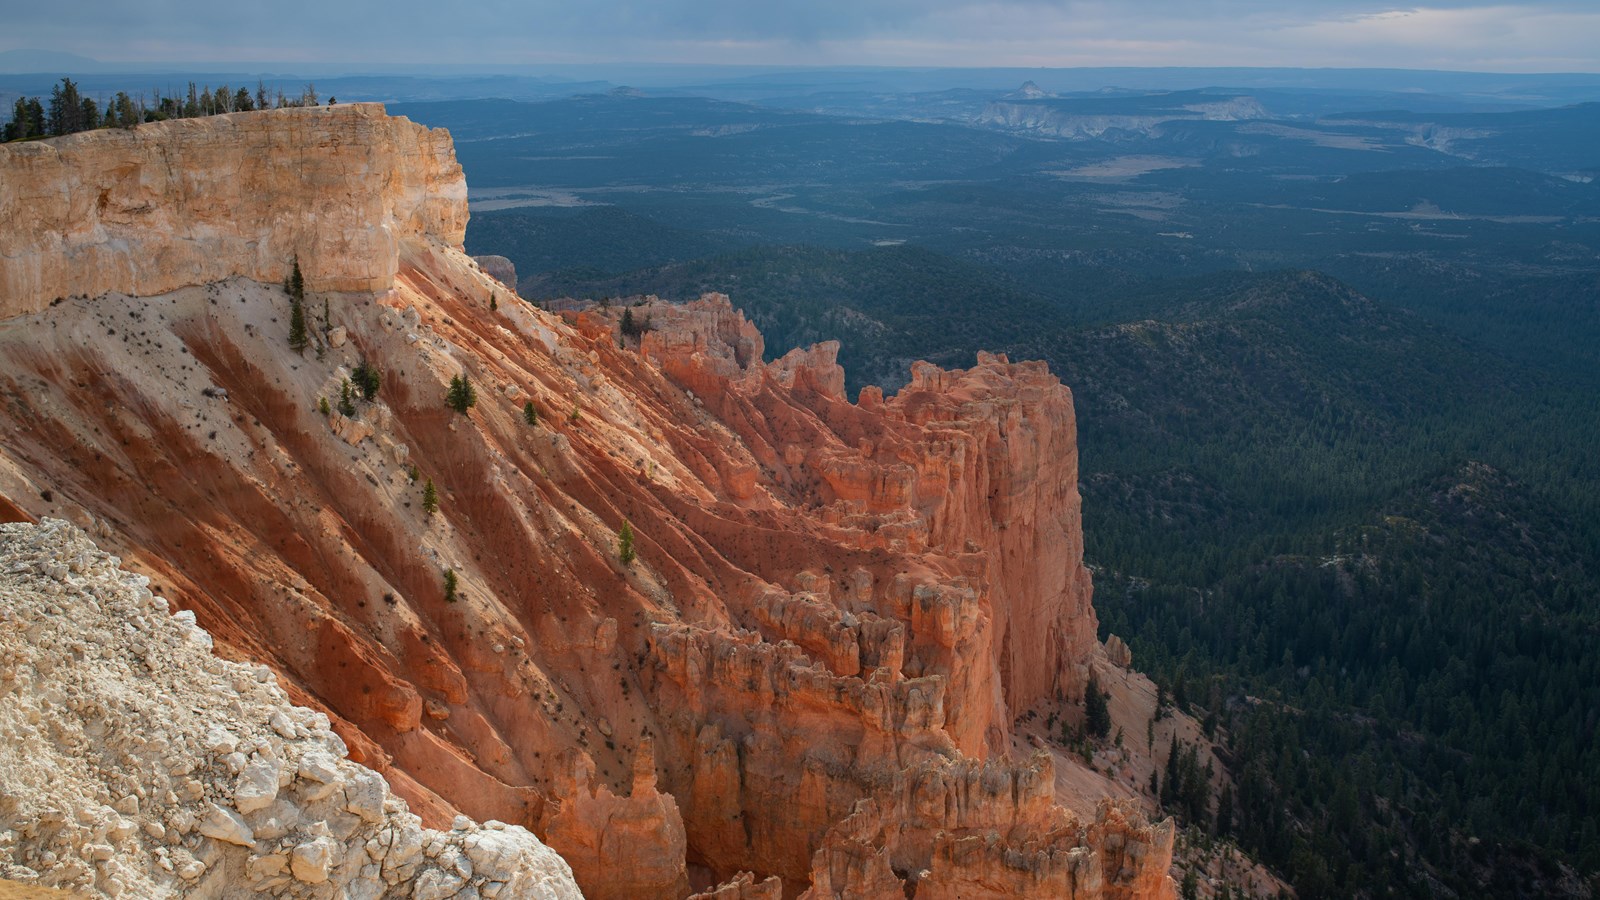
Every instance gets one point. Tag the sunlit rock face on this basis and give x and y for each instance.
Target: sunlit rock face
(184, 202)
(813, 670)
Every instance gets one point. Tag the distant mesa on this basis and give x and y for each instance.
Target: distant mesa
(1029, 91)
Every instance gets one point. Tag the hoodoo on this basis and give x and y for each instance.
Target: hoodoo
(834, 664)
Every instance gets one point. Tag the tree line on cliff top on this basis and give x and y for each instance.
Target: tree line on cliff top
(68, 111)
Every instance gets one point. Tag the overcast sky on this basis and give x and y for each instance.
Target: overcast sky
(1509, 35)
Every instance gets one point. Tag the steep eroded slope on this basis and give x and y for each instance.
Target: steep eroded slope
(815, 668)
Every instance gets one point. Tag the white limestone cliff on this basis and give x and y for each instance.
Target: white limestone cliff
(184, 202)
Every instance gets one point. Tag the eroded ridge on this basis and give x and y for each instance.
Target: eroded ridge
(828, 663)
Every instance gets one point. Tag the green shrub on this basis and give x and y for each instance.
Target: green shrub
(625, 543)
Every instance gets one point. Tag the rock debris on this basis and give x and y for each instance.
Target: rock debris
(134, 763)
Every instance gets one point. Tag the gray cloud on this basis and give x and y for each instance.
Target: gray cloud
(1469, 34)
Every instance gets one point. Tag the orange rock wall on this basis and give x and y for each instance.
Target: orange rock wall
(836, 612)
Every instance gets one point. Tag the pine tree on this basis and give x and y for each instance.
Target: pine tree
(35, 117)
(430, 498)
(529, 413)
(347, 408)
(67, 109)
(494, 302)
(295, 284)
(450, 585)
(21, 124)
(1169, 789)
(127, 113)
(1190, 888)
(1097, 713)
(625, 543)
(367, 379)
(297, 326)
(461, 396)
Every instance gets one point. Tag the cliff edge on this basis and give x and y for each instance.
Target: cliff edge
(826, 667)
(183, 202)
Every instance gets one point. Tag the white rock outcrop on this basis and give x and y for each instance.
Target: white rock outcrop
(135, 763)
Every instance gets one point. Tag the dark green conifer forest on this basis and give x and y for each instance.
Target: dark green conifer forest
(69, 112)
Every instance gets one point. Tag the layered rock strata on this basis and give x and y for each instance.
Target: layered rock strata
(135, 763)
(839, 612)
(170, 204)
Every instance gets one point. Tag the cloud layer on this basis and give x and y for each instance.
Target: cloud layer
(1538, 35)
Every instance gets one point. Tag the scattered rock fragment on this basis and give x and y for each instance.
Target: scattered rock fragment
(193, 814)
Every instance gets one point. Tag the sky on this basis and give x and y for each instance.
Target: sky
(1468, 35)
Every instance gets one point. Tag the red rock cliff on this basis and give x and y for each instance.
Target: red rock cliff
(811, 670)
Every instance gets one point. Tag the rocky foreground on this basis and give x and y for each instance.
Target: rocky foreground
(839, 664)
(135, 762)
